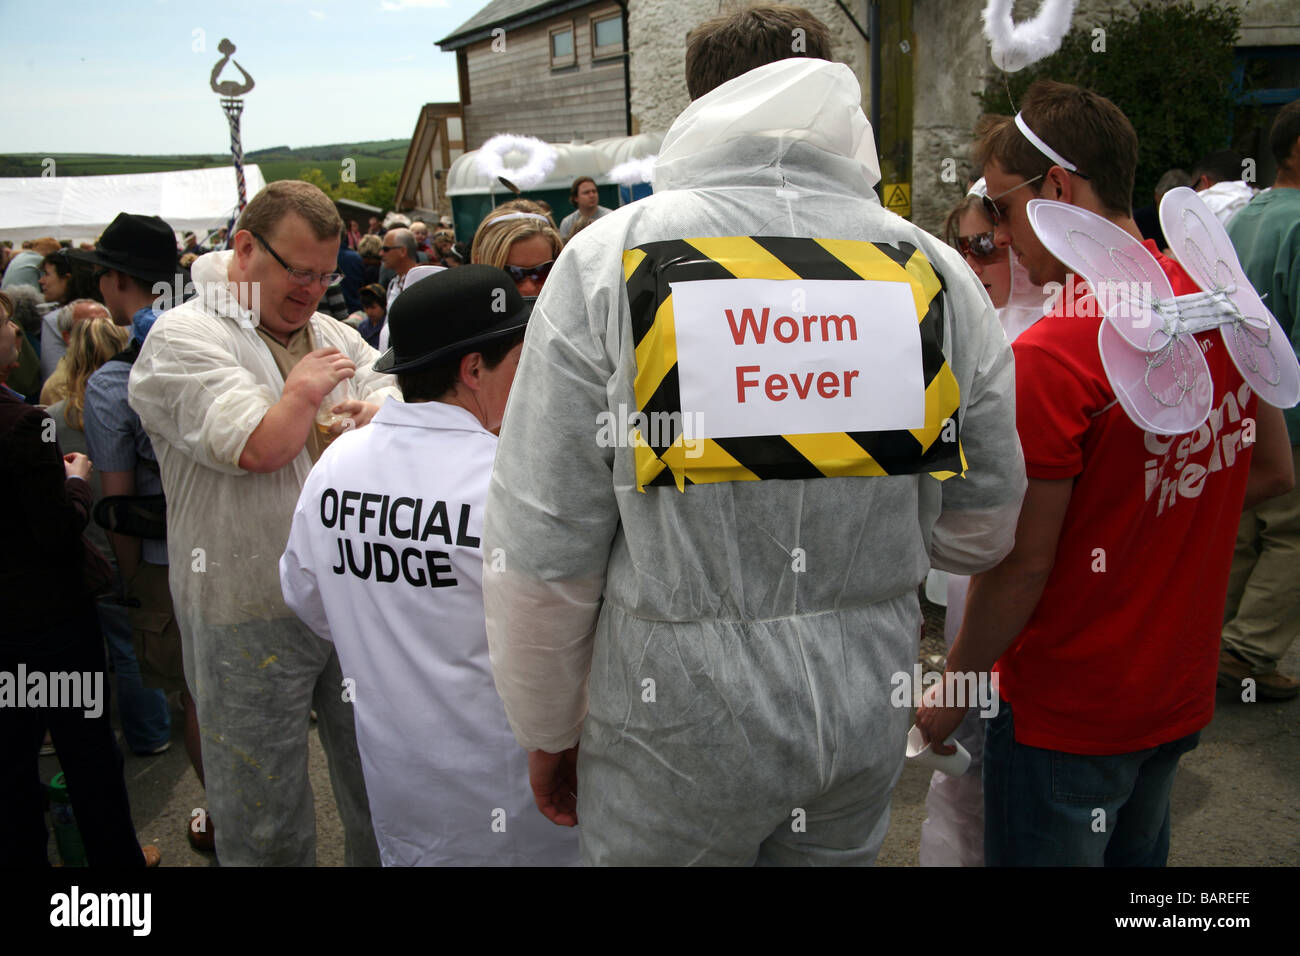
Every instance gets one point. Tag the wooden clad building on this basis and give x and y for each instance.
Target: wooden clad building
(438, 140)
(555, 69)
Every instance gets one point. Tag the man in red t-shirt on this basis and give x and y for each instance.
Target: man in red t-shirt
(1104, 620)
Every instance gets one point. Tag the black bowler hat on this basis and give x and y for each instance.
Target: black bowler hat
(140, 246)
(450, 314)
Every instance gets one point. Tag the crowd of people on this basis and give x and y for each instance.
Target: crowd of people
(361, 478)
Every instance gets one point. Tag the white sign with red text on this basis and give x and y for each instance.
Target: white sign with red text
(796, 357)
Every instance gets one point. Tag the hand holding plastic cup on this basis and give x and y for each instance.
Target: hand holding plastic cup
(923, 755)
(330, 423)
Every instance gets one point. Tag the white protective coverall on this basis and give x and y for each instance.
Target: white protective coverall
(952, 834)
(202, 384)
(384, 560)
(725, 653)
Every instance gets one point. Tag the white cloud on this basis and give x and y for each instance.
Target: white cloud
(317, 14)
(404, 4)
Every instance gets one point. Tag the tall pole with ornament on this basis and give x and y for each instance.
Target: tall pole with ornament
(231, 92)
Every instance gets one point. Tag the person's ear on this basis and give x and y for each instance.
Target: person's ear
(1057, 185)
(471, 370)
(244, 243)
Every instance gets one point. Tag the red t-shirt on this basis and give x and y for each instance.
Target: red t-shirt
(1122, 650)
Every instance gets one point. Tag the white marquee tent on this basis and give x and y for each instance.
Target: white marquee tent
(79, 207)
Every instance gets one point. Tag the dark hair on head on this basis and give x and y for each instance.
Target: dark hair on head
(61, 261)
(728, 46)
(1221, 166)
(577, 184)
(1082, 126)
(432, 383)
(373, 295)
(81, 286)
(1282, 137)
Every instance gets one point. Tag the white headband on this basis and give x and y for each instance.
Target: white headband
(1042, 147)
(521, 215)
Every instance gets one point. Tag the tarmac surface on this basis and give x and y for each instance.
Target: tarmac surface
(1236, 797)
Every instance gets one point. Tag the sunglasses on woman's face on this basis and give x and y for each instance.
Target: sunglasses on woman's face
(978, 246)
(537, 273)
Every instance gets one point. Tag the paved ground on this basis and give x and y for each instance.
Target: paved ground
(1236, 799)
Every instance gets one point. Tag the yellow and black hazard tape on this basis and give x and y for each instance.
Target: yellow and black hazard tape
(666, 457)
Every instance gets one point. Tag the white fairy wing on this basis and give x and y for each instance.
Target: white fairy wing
(1159, 376)
(1256, 342)
(1124, 276)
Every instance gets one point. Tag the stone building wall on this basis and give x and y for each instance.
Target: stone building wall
(951, 64)
(657, 39)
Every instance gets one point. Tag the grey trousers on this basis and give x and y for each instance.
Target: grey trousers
(762, 743)
(255, 686)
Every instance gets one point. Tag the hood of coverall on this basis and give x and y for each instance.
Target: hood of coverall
(756, 120)
(210, 274)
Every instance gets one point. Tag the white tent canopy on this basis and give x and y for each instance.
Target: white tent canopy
(79, 207)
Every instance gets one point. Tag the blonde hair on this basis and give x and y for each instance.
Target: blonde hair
(493, 239)
(94, 342)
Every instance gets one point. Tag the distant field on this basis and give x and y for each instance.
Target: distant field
(372, 159)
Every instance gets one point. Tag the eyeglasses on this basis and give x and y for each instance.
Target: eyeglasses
(537, 273)
(300, 276)
(978, 246)
(390, 248)
(990, 206)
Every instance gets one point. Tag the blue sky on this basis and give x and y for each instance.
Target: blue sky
(124, 76)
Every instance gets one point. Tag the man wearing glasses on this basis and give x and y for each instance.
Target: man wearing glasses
(1104, 632)
(230, 387)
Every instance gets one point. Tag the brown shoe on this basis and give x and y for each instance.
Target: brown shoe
(152, 855)
(1272, 685)
(205, 840)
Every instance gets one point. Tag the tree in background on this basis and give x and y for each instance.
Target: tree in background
(380, 191)
(1167, 65)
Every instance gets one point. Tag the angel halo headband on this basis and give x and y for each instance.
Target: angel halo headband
(1146, 338)
(520, 215)
(1042, 147)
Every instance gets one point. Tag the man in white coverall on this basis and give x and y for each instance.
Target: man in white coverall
(228, 386)
(716, 614)
(384, 561)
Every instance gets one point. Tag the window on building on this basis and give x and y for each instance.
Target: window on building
(606, 35)
(563, 52)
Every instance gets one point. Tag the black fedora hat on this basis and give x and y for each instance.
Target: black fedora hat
(140, 246)
(450, 314)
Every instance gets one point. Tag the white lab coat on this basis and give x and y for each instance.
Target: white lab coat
(202, 384)
(729, 682)
(446, 780)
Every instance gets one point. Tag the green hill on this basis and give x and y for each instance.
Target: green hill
(276, 162)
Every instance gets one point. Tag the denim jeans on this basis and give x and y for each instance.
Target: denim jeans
(146, 721)
(1050, 808)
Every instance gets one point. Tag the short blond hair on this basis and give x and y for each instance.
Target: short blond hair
(269, 207)
(493, 239)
